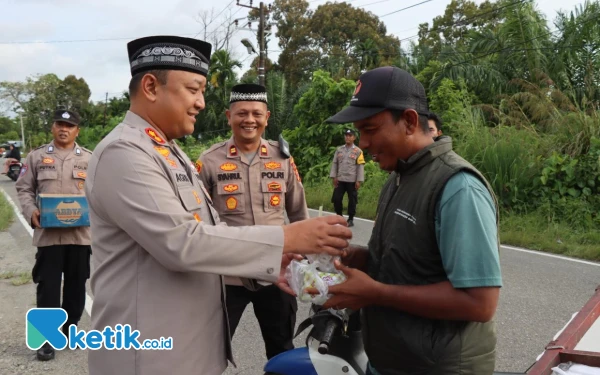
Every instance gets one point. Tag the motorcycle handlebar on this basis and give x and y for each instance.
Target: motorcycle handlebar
(330, 328)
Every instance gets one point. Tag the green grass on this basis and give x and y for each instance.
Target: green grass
(7, 214)
(16, 278)
(531, 231)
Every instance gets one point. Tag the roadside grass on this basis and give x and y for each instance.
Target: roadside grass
(6, 213)
(531, 231)
(16, 278)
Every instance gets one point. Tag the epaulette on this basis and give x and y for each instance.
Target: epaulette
(86, 150)
(42, 146)
(284, 147)
(214, 147)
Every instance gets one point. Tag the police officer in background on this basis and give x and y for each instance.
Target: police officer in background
(347, 172)
(59, 167)
(253, 181)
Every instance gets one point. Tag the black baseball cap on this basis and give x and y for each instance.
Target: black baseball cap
(70, 117)
(383, 88)
(349, 132)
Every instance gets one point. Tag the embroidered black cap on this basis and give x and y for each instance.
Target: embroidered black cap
(70, 117)
(248, 92)
(349, 132)
(169, 52)
(383, 88)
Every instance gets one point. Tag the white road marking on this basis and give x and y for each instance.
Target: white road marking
(88, 299)
(507, 247)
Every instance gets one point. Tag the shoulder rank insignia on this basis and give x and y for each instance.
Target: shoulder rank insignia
(50, 149)
(264, 151)
(155, 137)
(233, 150)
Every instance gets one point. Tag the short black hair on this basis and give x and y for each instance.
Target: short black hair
(134, 83)
(436, 119)
(397, 114)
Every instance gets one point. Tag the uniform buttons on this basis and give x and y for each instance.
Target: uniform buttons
(270, 270)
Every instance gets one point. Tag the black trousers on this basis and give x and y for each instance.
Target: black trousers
(274, 309)
(50, 263)
(338, 196)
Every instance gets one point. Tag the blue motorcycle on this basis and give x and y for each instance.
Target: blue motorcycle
(333, 346)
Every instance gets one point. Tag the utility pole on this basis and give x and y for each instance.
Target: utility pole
(22, 132)
(105, 105)
(261, 39)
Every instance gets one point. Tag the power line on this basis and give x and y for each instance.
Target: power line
(408, 7)
(524, 42)
(466, 21)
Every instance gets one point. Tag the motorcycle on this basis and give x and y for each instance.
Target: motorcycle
(333, 346)
(14, 170)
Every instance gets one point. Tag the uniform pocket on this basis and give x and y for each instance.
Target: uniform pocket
(47, 175)
(230, 199)
(191, 199)
(79, 174)
(273, 194)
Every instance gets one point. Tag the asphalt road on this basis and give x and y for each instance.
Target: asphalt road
(539, 296)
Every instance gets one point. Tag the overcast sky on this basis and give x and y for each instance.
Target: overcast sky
(65, 36)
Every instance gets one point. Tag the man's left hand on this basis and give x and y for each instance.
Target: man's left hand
(357, 185)
(282, 283)
(359, 290)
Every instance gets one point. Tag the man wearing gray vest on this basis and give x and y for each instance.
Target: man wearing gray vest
(429, 282)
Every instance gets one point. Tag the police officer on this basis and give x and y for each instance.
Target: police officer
(59, 167)
(347, 172)
(160, 250)
(254, 182)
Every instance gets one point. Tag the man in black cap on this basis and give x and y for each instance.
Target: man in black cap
(159, 248)
(347, 172)
(59, 167)
(429, 282)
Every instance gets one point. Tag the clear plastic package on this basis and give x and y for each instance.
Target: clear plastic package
(317, 271)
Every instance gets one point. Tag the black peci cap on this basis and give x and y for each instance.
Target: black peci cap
(169, 52)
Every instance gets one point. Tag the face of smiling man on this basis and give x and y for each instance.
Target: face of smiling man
(248, 120)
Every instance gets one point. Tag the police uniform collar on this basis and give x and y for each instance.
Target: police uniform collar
(149, 131)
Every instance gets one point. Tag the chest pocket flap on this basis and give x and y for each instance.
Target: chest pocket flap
(275, 186)
(47, 175)
(190, 198)
(230, 187)
(80, 174)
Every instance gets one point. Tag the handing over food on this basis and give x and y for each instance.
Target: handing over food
(317, 235)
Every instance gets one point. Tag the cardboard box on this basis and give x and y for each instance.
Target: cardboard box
(63, 211)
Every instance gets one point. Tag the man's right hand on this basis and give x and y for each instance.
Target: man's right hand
(335, 182)
(356, 257)
(35, 219)
(317, 235)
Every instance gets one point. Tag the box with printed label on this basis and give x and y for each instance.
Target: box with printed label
(63, 211)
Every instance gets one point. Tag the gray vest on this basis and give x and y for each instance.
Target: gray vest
(404, 251)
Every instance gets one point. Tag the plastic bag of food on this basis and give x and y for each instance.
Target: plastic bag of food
(319, 272)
